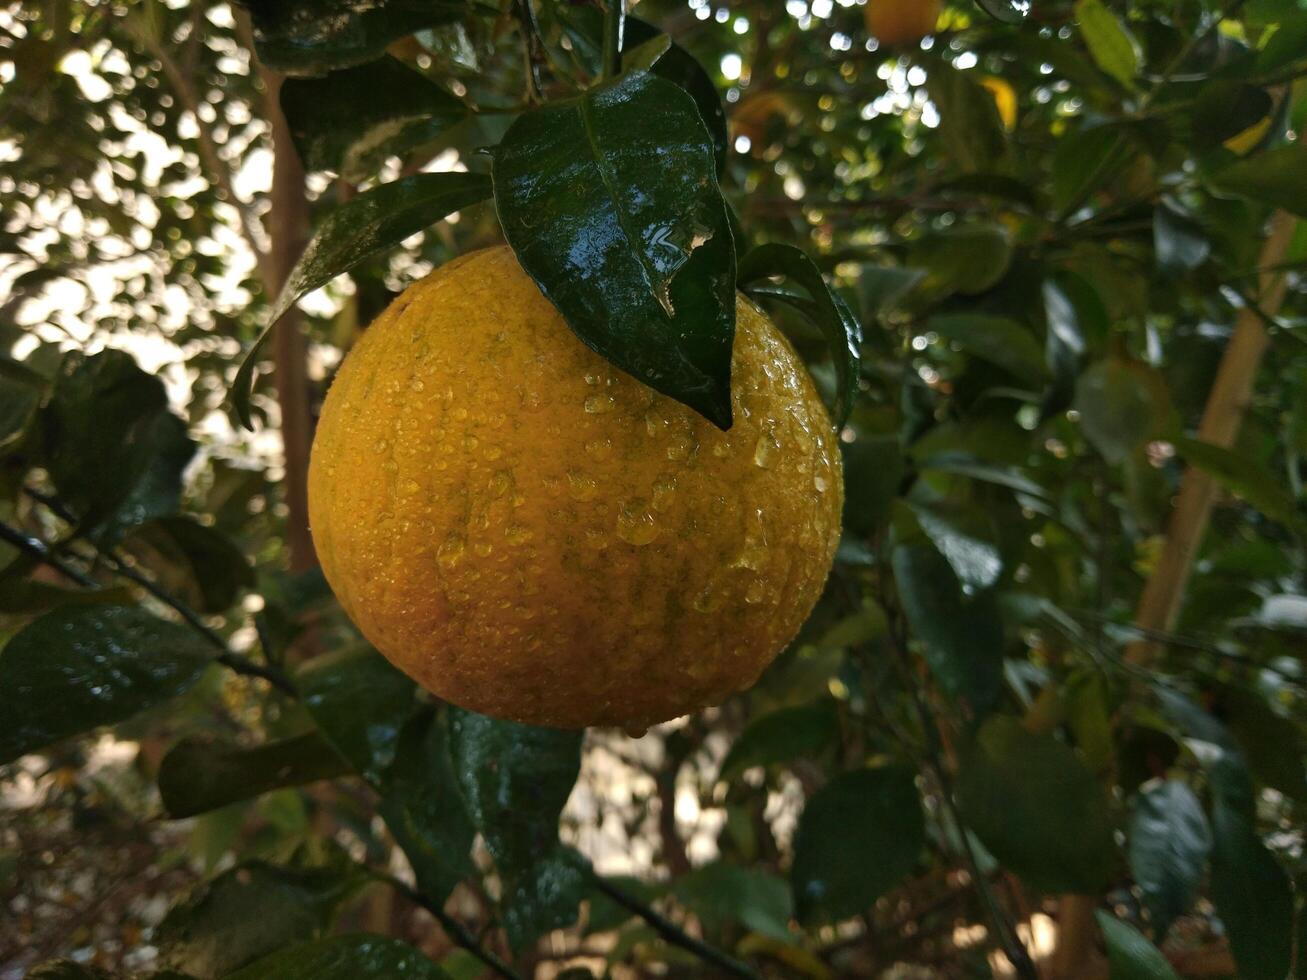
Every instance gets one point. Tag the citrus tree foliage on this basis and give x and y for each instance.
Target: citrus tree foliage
(1013, 255)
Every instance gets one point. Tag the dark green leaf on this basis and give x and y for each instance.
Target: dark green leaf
(356, 957)
(997, 339)
(109, 441)
(424, 809)
(1273, 177)
(1116, 408)
(1243, 476)
(1037, 808)
(680, 68)
(18, 404)
(966, 540)
(969, 123)
(1084, 161)
(371, 223)
(969, 258)
(1111, 45)
(30, 597)
(515, 780)
(194, 561)
(350, 121)
(1002, 476)
(69, 970)
(1129, 955)
(1007, 11)
(77, 668)
(781, 736)
(721, 893)
(1169, 841)
(1271, 743)
(1178, 241)
(858, 836)
(1252, 896)
(308, 37)
(610, 201)
(873, 470)
(360, 703)
(201, 774)
(832, 316)
(961, 637)
(251, 911)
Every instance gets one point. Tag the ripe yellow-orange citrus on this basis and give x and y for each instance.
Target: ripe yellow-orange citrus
(532, 534)
(902, 21)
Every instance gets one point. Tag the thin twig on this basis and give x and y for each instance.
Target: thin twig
(35, 548)
(673, 933)
(532, 53)
(453, 928)
(614, 24)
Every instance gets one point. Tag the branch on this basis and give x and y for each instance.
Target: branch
(453, 928)
(673, 933)
(36, 549)
(614, 22)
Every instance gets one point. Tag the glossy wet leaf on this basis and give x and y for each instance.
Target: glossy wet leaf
(1037, 808)
(113, 450)
(1179, 242)
(1253, 897)
(1007, 11)
(424, 808)
(250, 911)
(372, 222)
(351, 957)
(1000, 340)
(309, 37)
(360, 703)
(1111, 44)
(1243, 476)
(1002, 476)
(721, 893)
(961, 636)
(781, 736)
(193, 561)
(966, 539)
(77, 668)
(858, 836)
(1130, 956)
(610, 202)
(828, 312)
(1168, 844)
(200, 774)
(1273, 177)
(350, 121)
(515, 779)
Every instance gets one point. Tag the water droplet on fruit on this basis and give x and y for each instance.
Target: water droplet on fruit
(599, 448)
(664, 494)
(600, 404)
(820, 483)
(764, 453)
(580, 486)
(483, 549)
(635, 524)
(451, 550)
(517, 534)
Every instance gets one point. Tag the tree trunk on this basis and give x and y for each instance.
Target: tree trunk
(288, 225)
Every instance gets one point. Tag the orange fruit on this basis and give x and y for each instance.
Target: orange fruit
(902, 21)
(532, 534)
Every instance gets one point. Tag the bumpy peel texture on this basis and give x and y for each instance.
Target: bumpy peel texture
(532, 534)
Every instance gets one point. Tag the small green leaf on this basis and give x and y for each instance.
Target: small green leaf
(350, 121)
(1002, 476)
(1242, 476)
(961, 637)
(1169, 841)
(371, 223)
(858, 836)
(1084, 161)
(721, 893)
(828, 311)
(1273, 177)
(360, 703)
(1111, 44)
(1129, 955)
(610, 202)
(193, 561)
(251, 911)
(970, 258)
(515, 779)
(353, 957)
(308, 37)
(78, 668)
(1116, 407)
(1037, 808)
(997, 339)
(781, 736)
(1252, 896)
(201, 774)
(424, 809)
